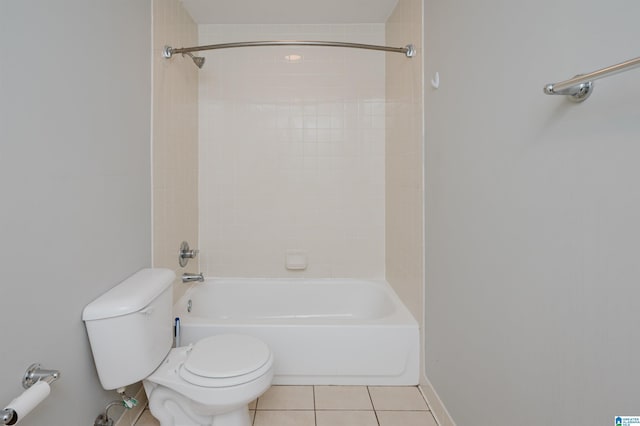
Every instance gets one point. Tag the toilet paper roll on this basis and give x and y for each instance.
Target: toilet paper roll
(28, 400)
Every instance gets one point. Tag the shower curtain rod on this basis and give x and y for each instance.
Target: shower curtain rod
(409, 50)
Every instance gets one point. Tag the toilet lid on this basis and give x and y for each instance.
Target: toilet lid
(226, 355)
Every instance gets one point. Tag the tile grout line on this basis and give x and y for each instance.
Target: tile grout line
(303, 409)
(426, 401)
(375, 412)
(315, 416)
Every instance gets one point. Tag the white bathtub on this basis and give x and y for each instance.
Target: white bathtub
(321, 331)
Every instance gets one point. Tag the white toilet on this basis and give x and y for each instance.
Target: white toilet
(130, 329)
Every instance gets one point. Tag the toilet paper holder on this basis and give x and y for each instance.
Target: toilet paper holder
(33, 375)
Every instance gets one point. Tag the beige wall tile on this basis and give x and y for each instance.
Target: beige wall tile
(404, 159)
(175, 138)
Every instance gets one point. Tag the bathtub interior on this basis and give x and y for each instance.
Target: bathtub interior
(290, 299)
(322, 332)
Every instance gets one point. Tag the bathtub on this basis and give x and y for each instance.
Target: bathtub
(321, 331)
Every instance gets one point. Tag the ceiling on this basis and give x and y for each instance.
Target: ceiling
(289, 11)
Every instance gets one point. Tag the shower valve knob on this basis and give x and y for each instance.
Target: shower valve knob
(186, 253)
(191, 253)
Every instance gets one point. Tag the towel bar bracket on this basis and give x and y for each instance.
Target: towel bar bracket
(578, 93)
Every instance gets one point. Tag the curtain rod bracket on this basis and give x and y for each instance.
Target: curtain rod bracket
(410, 50)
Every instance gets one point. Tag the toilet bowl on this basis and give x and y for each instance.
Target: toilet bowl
(209, 383)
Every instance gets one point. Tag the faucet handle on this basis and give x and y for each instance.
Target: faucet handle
(189, 254)
(185, 254)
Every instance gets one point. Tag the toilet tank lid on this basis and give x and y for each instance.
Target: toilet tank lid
(130, 295)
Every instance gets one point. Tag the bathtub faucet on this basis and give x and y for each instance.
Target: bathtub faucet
(187, 277)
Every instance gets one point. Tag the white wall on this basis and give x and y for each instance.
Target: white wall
(74, 185)
(532, 213)
(292, 154)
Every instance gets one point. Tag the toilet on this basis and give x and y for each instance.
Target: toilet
(211, 382)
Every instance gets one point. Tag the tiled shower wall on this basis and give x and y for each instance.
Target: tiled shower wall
(404, 159)
(292, 152)
(175, 137)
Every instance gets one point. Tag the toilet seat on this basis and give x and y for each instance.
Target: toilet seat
(209, 392)
(226, 360)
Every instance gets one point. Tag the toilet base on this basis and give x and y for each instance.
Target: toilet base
(239, 417)
(169, 408)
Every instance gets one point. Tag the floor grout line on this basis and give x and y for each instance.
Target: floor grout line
(315, 414)
(375, 412)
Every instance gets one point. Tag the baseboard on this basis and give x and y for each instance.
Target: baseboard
(130, 417)
(436, 406)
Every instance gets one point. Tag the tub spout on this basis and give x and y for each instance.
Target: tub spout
(188, 278)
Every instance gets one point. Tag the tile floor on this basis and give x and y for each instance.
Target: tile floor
(335, 406)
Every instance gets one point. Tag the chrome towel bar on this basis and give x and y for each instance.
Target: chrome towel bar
(580, 87)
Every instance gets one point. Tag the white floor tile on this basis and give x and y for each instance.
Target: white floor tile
(397, 398)
(287, 398)
(336, 406)
(342, 398)
(406, 418)
(346, 418)
(284, 418)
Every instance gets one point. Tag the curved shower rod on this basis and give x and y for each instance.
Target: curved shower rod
(168, 51)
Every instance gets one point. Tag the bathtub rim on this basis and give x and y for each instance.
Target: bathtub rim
(401, 316)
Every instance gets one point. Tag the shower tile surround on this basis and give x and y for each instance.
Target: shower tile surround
(404, 159)
(175, 139)
(292, 152)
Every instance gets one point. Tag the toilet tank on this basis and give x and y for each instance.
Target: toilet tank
(130, 327)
